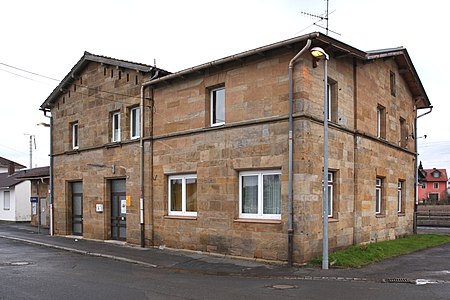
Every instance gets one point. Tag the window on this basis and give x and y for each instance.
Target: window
(116, 127)
(330, 193)
(183, 195)
(217, 105)
(75, 135)
(332, 100)
(135, 122)
(436, 185)
(400, 196)
(392, 83)
(403, 133)
(260, 195)
(6, 200)
(378, 195)
(381, 122)
(436, 174)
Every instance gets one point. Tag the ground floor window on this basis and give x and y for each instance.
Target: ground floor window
(260, 195)
(330, 194)
(183, 195)
(378, 195)
(6, 200)
(400, 197)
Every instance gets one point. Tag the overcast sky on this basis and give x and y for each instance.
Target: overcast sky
(49, 37)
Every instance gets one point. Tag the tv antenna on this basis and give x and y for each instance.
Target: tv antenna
(323, 17)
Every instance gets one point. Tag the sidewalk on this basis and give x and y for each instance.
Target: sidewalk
(405, 268)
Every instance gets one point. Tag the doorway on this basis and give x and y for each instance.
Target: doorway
(118, 210)
(77, 208)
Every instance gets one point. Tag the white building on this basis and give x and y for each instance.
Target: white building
(14, 198)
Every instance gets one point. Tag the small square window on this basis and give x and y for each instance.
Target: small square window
(217, 106)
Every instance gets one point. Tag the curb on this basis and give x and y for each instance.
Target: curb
(83, 252)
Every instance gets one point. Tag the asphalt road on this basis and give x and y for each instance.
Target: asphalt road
(35, 272)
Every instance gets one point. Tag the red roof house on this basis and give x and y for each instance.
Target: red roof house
(434, 186)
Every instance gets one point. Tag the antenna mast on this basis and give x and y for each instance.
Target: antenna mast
(323, 17)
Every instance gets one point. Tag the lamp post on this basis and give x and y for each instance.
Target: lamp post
(319, 54)
(50, 125)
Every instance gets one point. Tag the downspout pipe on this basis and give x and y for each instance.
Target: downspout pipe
(416, 179)
(290, 158)
(141, 159)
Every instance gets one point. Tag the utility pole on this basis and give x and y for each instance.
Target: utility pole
(32, 138)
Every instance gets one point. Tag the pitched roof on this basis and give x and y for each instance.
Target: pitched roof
(333, 47)
(442, 174)
(8, 181)
(84, 61)
(35, 173)
(6, 163)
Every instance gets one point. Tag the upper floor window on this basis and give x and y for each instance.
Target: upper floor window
(381, 122)
(378, 195)
(183, 195)
(75, 135)
(403, 133)
(436, 185)
(436, 174)
(217, 105)
(135, 122)
(392, 83)
(260, 195)
(116, 127)
(332, 100)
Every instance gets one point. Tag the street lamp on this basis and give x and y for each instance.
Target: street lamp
(319, 54)
(50, 125)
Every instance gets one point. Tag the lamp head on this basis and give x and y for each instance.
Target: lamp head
(319, 53)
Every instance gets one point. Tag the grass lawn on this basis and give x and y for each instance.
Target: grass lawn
(360, 255)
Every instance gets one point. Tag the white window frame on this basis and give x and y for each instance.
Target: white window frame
(260, 214)
(378, 195)
(378, 122)
(436, 185)
(6, 204)
(135, 122)
(330, 194)
(213, 108)
(183, 211)
(115, 124)
(329, 92)
(75, 135)
(399, 196)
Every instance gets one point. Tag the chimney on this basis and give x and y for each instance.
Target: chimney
(11, 168)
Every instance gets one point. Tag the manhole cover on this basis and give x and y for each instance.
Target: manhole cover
(283, 286)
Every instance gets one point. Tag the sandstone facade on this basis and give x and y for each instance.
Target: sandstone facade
(179, 141)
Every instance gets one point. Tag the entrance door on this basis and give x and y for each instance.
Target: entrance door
(118, 210)
(43, 210)
(77, 208)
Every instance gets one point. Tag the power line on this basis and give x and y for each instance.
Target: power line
(29, 72)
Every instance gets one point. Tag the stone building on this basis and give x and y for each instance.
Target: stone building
(209, 169)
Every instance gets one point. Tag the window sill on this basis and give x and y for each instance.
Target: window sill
(401, 214)
(332, 220)
(113, 144)
(264, 221)
(180, 217)
(380, 215)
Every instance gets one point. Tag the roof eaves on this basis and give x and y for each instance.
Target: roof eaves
(81, 64)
